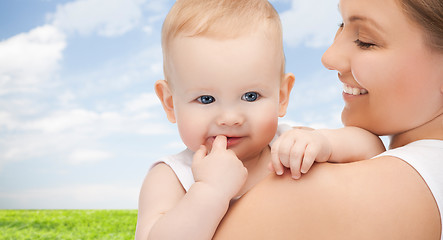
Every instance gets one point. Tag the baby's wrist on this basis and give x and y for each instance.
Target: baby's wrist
(213, 193)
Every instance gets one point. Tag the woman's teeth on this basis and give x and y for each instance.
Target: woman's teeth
(353, 90)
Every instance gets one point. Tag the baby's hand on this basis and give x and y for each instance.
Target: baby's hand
(220, 169)
(297, 149)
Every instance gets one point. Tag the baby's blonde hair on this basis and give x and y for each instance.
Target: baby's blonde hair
(221, 19)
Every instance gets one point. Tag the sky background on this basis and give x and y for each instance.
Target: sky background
(80, 123)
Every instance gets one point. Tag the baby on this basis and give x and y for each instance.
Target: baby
(225, 86)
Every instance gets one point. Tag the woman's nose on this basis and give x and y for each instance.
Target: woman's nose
(336, 56)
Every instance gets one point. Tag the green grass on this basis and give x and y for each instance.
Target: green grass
(67, 224)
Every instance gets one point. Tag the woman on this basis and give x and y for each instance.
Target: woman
(390, 51)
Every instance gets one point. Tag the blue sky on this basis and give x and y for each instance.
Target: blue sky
(79, 121)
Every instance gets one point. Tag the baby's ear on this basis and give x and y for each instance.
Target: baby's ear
(285, 90)
(165, 95)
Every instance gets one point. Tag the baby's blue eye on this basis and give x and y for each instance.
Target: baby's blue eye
(250, 96)
(206, 99)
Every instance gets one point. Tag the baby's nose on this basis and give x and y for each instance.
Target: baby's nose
(230, 118)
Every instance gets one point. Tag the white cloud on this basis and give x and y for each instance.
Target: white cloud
(67, 99)
(122, 74)
(91, 196)
(310, 23)
(74, 135)
(159, 5)
(78, 117)
(175, 146)
(142, 102)
(318, 88)
(316, 101)
(32, 127)
(104, 17)
(28, 59)
(6, 121)
(148, 29)
(62, 120)
(82, 121)
(82, 156)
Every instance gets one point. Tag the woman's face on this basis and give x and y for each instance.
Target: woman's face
(393, 82)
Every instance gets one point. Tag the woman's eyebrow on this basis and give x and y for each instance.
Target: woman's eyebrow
(356, 18)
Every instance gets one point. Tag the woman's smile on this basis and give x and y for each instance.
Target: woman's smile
(354, 90)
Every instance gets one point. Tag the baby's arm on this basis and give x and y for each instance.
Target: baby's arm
(167, 212)
(351, 144)
(298, 148)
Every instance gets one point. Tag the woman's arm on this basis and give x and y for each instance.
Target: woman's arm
(382, 198)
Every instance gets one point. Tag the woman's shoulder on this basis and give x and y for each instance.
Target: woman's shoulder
(381, 198)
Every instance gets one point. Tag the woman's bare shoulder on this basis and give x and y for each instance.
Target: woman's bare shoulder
(382, 198)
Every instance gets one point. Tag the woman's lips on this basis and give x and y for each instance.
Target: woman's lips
(354, 90)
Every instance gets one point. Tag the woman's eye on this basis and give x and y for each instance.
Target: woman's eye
(206, 99)
(364, 45)
(250, 96)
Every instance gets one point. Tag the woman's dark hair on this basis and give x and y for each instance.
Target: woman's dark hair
(428, 14)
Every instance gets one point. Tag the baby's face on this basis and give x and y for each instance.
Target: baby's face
(226, 87)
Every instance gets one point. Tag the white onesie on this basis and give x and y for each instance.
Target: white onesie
(181, 163)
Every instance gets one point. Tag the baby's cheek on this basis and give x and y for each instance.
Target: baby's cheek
(190, 136)
(267, 127)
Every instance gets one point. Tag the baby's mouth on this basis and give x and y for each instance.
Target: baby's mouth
(354, 90)
(232, 138)
(230, 141)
